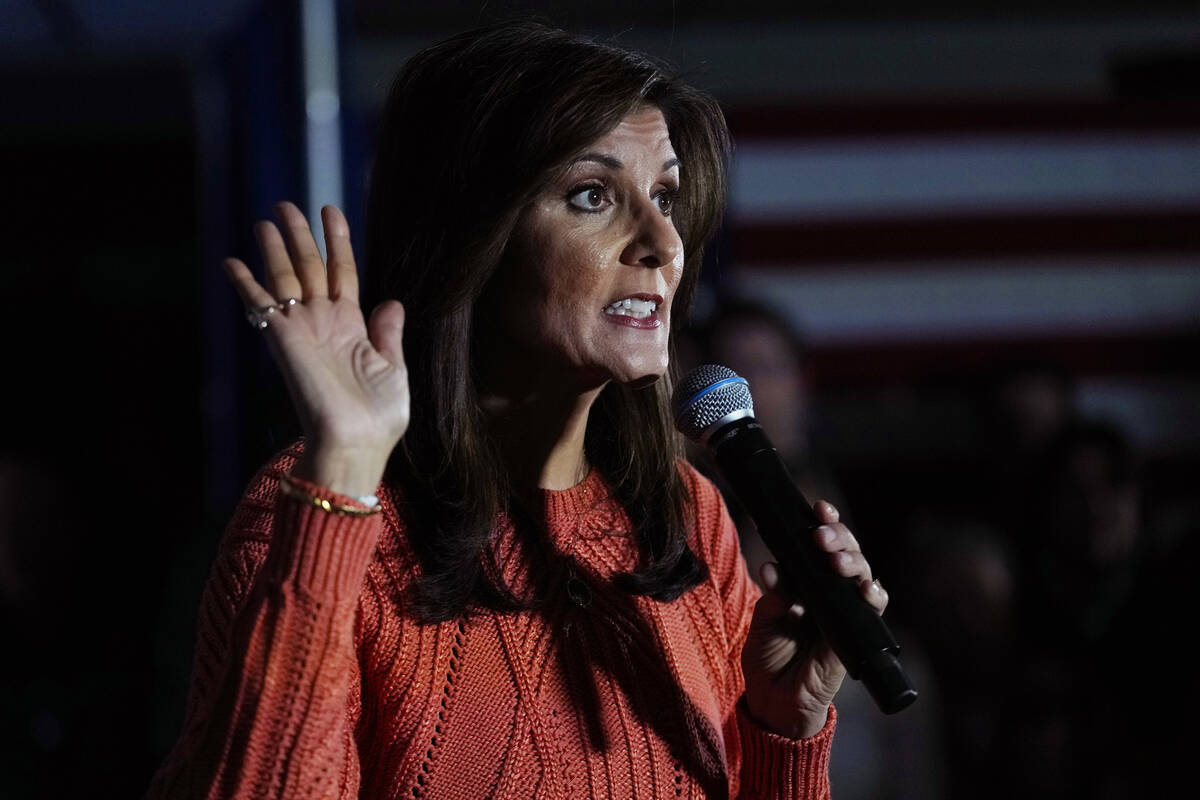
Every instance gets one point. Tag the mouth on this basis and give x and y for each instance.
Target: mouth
(635, 308)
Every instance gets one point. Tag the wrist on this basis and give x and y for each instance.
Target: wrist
(351, 471)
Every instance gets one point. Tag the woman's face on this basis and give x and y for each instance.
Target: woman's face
(595, 262)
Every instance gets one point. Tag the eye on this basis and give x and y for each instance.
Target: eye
(588, 198)
(666, 200)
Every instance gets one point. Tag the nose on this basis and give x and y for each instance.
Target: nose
(654, 242)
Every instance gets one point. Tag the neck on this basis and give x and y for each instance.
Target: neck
(541, 434)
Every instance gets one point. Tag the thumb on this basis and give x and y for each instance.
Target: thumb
(776, 600)
(386, 331)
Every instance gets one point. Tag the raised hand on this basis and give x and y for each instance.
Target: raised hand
(791, 672)
(346, 376)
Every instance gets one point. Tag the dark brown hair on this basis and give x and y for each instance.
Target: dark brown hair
(473, 128)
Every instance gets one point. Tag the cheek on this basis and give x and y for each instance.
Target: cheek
(675, 273)
(575, 273)
(673, 279)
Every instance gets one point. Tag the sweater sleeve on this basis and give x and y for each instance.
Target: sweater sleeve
(765, 766)
(274, 696)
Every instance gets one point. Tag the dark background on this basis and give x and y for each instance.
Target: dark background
(139, 141)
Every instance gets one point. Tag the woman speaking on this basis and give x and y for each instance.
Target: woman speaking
(486, 571)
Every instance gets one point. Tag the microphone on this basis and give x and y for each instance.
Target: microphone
(712, 406)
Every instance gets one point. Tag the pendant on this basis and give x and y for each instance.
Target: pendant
(578, 590)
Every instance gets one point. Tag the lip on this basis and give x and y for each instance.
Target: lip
(648, 323)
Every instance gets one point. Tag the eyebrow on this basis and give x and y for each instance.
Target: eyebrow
(614, 163)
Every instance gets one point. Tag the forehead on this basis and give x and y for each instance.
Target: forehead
(643, 132)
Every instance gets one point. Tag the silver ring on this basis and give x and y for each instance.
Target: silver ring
(257, 317)
(287, 303)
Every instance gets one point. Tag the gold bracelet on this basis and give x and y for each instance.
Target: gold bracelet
(291, 490)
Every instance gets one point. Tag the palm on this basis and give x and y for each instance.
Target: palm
(346, 377)
(338, 379)
(790, 653)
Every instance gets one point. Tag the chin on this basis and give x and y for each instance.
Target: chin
(643, 382)
(641, 367)
(643, 374)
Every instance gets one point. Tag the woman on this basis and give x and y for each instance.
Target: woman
(545, 601)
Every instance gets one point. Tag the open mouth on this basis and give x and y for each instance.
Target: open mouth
(634, 307)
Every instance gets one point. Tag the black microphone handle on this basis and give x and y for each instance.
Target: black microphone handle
(785, 520)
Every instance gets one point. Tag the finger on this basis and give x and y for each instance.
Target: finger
(826, 512)
(874, 593)
(306, 258)
(252, 293)
(281, 276)
(835, 537)
(340, 269)
(386, 331)
(851, 564)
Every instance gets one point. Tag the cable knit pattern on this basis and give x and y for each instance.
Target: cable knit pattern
(312, 680)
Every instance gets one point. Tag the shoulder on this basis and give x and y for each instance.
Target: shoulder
(713, 530)
(727, 595)
(702, 492)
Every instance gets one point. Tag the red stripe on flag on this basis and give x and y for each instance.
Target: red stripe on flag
(877, 120)
(870, 240)
(876, 365)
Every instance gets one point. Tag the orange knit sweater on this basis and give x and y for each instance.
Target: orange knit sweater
(312, 680)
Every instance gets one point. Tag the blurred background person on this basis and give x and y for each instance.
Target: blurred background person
(1024, 407)
(760, 345)
(887, 758)
(966, 610)
(1089, 610)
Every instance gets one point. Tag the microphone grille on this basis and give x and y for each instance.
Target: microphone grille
(706, 395)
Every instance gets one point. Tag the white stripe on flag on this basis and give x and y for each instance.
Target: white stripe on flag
(945, 176)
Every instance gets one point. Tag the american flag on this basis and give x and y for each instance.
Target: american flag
(911, 239)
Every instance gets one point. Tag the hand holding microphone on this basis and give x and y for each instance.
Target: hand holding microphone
(713, 407)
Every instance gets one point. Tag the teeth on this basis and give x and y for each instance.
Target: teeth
(629, 307)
